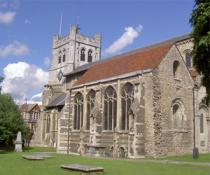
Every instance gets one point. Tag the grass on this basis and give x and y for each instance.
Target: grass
(188, 158)
(13, 164)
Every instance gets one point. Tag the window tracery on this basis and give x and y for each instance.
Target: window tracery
(110, 108)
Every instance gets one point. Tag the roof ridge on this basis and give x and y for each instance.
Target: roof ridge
(172, 40)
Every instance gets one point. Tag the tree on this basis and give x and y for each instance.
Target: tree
(11, 120)
(1, 79)
(200, 21)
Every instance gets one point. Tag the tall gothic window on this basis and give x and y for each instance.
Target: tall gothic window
(78, 111)
(90, 105)
(201, 124)
(188, 59)
(127, 100)
(90, 57)
(82, 56)
(110, 108)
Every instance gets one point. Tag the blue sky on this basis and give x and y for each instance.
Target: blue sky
(27, 27)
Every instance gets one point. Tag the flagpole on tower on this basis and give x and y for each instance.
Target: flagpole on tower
(61, 20)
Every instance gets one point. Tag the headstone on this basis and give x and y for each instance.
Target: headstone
(18, 143)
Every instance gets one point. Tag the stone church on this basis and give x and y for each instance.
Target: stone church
(147, 102)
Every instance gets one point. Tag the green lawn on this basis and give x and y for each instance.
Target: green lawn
(188, 158)
(14, 164)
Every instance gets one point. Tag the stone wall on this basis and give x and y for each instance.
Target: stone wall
(132, 142)
(170, 89)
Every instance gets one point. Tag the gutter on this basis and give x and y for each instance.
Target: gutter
(136, 73)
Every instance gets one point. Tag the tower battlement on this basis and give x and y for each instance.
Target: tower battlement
(72, 51)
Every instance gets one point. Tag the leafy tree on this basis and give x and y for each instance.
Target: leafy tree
(200, 21)
(11, 120)
(1, 79)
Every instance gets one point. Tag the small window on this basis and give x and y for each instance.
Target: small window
(188, 60)
(175, 68)
(59, 60)
(64, 58)
(90, 57)
(201, 124)
(82, 56)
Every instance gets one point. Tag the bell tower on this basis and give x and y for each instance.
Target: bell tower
(72, 51)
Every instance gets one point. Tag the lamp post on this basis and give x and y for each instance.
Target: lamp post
(195, 150)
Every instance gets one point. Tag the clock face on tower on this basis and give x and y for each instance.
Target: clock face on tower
(60, 75)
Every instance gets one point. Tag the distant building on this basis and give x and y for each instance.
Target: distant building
(31, 113)
(141, 103)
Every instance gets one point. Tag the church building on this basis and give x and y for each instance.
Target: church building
(147, 102)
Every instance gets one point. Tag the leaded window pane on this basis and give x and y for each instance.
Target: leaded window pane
(188, 59)
(90, 56)
(127, 100)
(90, 105)
(82, 56)
(78, 111)
(110, 108)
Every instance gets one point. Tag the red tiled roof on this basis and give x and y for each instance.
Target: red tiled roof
(142, 59)
(27, 107)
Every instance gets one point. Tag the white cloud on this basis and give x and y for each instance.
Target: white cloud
(47, 61)
(14, 49)
(13, 4)
(3, 4)
(27, 21)
(20, 79)
(7, 17)
(127, 38)
(37, 98)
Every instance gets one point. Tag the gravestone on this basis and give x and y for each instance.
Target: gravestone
(85, 169)
(18, 143)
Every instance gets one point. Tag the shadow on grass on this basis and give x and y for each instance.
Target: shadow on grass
(6, 150)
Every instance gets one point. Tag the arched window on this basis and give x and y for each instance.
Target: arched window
(78, 111)
(110, 108)
(122, 152)
(178, 115)
(90, 105)
(188, 59)
(175, 68)
(90, 57)
(82, 56)
(127, 100)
